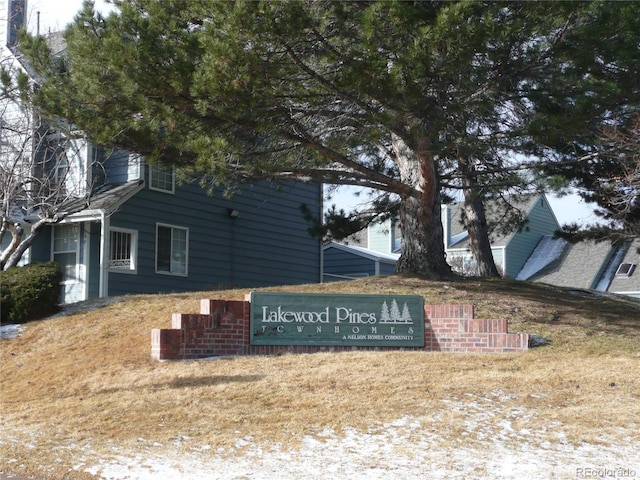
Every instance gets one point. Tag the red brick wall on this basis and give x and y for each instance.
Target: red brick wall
(222, 329)
(453, 328)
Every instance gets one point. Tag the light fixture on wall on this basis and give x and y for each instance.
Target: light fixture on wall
(233, 213)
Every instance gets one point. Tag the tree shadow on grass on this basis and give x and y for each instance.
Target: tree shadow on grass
(186, 382)
(531, 303)
(605, 312)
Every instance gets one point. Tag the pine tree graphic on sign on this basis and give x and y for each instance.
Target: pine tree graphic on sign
(393, 315)
(395, 311)
(384, 314)
(406, 316)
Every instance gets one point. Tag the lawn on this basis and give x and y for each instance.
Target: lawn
(78, 388)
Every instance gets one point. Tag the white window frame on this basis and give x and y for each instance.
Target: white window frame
(157, 172)
(625, 270)
(186, 251)
(76, 251)
(61, 172)
(133, 251)
(134, 167)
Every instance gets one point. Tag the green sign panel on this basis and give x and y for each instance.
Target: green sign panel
(327, 319)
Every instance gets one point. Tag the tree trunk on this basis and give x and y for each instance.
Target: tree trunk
(16, 239)
(16, 254)
(475, 222)
(422, 249)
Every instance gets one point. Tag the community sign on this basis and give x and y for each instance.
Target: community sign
(326, 319)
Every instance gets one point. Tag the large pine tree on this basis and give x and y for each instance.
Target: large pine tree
(408, 98)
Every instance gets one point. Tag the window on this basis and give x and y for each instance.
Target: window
(60, 174)
(162, 178)
(123, 245)
(625, 270)
(172, 250)
(65, 251)
(396, 238)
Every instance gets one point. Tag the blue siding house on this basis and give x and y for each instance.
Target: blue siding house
(150, 235)
(129, 227)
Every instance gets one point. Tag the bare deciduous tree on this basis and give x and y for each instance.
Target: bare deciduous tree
(619, 192)
(40, 167)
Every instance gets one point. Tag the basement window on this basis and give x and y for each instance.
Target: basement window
(625, 269)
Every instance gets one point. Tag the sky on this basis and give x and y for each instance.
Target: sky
(568, 209)
(55, 14)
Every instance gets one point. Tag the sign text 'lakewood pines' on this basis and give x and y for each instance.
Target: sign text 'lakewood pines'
(272, 323)
(325, 319)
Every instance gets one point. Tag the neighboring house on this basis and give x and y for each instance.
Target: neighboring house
(384, 237)
(531, 253)
(510, 251)
(344, 262)
(129, 227)
(586, 265)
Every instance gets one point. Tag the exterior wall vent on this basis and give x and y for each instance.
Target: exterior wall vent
(625, 269)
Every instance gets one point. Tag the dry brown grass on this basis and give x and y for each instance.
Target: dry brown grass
(86, 381)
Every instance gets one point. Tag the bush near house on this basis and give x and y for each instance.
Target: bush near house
(30, 292)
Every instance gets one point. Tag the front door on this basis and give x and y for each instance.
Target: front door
(67, 251)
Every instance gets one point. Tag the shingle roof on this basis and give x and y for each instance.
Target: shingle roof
(108, 199)
(364, 252)
(56, 43)
(627, 283)
(579, 265)
(548, 250)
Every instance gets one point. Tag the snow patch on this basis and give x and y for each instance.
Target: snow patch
(8, 332)
(548, 250)
(406, 448)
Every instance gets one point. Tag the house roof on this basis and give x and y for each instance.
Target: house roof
(56, 43)
(105, 200)
(579, 265)
(587, 264)
(495, 216)
(548, 250)
(357, 239)
(364, 252)
(626, 283)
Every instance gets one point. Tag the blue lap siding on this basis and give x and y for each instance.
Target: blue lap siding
(266, 244)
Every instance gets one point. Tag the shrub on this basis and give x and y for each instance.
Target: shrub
(30, 292)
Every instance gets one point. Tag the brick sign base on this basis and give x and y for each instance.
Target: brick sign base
(222, 328)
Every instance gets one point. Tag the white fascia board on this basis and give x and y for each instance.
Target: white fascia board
(84, 216)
